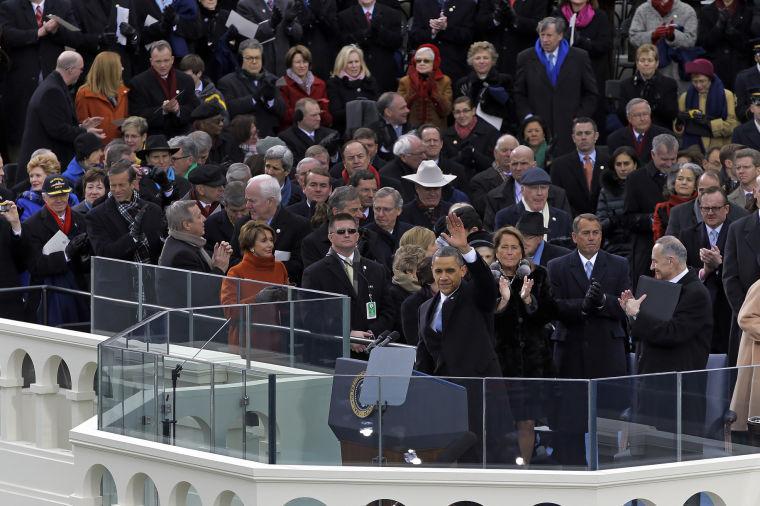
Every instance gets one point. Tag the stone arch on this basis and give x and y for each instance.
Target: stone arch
(63, 376)
(713, 499)
(49, 373)
(546, 504)
(465, 503)
(142, 490)
(99, 483)
(85, 381)
(193, 429)
(28, 370)
(14, 366)
(304, 501)
(385, 502)
(639, 502)
(184, 494)
(228, 498)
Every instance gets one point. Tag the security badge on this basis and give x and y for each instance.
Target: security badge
(371, 305)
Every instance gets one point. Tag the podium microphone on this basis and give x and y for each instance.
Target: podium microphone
(377, 341)
(389, 339)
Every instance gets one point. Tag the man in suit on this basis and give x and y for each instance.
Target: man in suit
(33, 44)
(220, 226)
(409, 152)
(556, 82)
(252, 90)
(537, 250)
(51, 120)
(639, 132)
(590, 333)
(317, 188)
(343, 270)
(307, 130)
(386, 208)
(680, 343)
(688, 215)
(748, 134)
(578, 172)
(510, 191)
(124, 226)
(263, 198)
(496, 174)
(644, 189)
(278, 162)
(471, 140)
(746, 81)
(747, 168)
(376, 28)
(741, 267)
(394, 113)
(535, 193)
(162, 95)
(705, 245)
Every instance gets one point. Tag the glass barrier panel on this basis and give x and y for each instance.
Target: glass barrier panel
(230, 411)
(307, 432)
(189, 404)
(139, 392)
(117, 295)
(257, 419)
(636, 420)
(55, 307)
(110, 389)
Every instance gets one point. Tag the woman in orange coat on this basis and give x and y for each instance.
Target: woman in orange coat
(104, 94)
(258, 264)
(426, 89)
(299, 82)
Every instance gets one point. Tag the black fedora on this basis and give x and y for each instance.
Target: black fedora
(532, 224)
(155, 143)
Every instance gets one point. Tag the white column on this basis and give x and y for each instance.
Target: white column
(45, 433)
(10, 408)
(82, 406)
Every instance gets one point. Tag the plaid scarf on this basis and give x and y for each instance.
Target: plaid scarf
(128, 211)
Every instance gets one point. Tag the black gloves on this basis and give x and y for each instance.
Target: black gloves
(106, 40)
(291, 13)
(232, 32)
(582, 42)
(506, 14)
(135, 230)
(129, 32)
(267, 91)
(162, 179)
(276, 18)
(331, 143)
(77, 246)
(168, 19)
(594, 298)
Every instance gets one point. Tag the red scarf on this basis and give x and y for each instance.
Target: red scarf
(168, 85)
(731, 8)
(66, 224)
(424, 87)
(370, 168)
(464, 131)
(663, 7)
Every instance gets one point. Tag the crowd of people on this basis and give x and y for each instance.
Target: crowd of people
(472, 179)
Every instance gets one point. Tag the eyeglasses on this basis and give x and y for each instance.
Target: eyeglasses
(708, 210)
(251, 58)
(178, 158)
(461, 111)
(346, 231)
(422, 60)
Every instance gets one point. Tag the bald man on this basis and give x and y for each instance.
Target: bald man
(51, 120)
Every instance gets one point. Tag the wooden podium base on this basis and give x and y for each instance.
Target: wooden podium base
(355, 454)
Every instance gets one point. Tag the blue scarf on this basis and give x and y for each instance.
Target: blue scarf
(564, 48)
(715, 105)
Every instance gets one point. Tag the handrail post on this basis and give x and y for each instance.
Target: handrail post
(593, 461)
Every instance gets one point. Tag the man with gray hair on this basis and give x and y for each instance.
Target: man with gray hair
(409, 152)
(186, 159)
(556, 82)
(238, 172)
(262, 200)
(394, 113)
(386, 208)
(220, 226)
(51, 118)
(184, 248)
(204, 143)
(162, 95)
(278, 162)
(644, 190)
(640, 130)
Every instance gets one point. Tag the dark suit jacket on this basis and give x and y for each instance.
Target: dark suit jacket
(413, 214)
(218, 228)
(386, 137)
(301, 208)
(465, 347)
(328, 275)
(575, 94)
(316, 245)
(590, 345)
(109, 233)
(560, 223)
(481, 184)
(745, 81)
(747, 134)
(298, 142)
(550, 252)
(12, 258)
(30, 56)
(240, 92)
(290, 230)
(503, 196)
(687, 215)
(623, 136)
(741, 259)
(51, 121)
(482, 139)
(567, 173)
(146, 97)
(379, 41)
(387, 244)
(695, 238)
(183, 255)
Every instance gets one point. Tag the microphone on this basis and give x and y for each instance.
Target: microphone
(523, 269)
(389, 339)
(377, 341)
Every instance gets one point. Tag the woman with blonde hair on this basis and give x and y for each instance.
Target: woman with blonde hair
(103, 94)
(351, 80)
(420, 236)
(42, 164)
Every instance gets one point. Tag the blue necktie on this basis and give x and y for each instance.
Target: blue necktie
(713, 237)
(589, 268)
(551, 60)
(438, 320)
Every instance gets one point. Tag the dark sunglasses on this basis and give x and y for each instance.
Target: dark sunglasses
(345, 231)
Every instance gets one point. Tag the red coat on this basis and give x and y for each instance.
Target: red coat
(90, 104)
(292, 93)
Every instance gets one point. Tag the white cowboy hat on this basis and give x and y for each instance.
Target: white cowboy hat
(429, 175)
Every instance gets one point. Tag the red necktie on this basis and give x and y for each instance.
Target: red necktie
(38, 16)
(588, 170)
(368, 15)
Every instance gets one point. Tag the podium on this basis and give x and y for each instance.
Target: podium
(418, 412)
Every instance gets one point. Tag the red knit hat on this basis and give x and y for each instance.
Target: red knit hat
(700, 66)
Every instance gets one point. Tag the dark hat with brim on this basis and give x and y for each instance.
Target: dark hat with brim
(480, 238)
(754, 95)
(532, 224)
(86, 144)
(206, 110)
(55, 184)
(208, 175)
(155, 143)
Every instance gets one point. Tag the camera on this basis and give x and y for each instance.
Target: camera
(4, 208)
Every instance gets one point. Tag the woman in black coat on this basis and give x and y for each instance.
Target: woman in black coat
(648, 83)
(486, 87)
(522, 341)
(724, 32)
(351, 80)
(609, 210)
(214, 45)
(404, 284)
